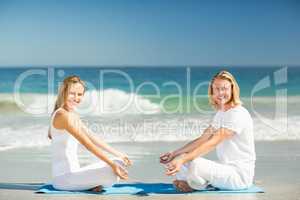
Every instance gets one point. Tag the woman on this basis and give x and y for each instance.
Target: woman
(66, 131)
(230, 133)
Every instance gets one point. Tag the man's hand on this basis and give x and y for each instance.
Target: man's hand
(174, 166)
(167, 157)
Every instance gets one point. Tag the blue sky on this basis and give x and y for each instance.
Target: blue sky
(149, 32)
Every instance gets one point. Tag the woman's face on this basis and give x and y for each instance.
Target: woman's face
(75, 95)
(222, 91)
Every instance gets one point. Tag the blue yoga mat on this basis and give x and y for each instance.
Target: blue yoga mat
(144, 189)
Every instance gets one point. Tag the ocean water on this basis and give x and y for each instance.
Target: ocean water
(126, 104)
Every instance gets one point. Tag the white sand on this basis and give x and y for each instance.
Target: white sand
(277, 171)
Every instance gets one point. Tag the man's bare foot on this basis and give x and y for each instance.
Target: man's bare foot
(98, 188)
(182, 186)
(175, 184)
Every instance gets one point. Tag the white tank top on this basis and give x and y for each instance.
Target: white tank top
(64, 150)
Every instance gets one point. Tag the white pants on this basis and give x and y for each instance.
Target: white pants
(87, 177)
(200, 172)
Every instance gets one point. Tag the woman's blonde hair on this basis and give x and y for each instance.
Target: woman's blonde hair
(64, 90)
(235, 89)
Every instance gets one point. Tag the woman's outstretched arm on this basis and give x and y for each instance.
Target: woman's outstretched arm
(102, 144)
(72, 124)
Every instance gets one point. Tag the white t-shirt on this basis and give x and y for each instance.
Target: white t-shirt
(239, 150)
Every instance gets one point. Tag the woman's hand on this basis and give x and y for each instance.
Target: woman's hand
(125, 159)
(174, 166)
(167, 157)
(120, 171)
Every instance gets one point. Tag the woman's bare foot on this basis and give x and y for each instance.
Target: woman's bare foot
(98, 188)
(182, 186)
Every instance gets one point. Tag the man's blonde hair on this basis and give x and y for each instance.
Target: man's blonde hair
(235, 89)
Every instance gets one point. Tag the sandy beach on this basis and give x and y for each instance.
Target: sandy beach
(277, 171)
